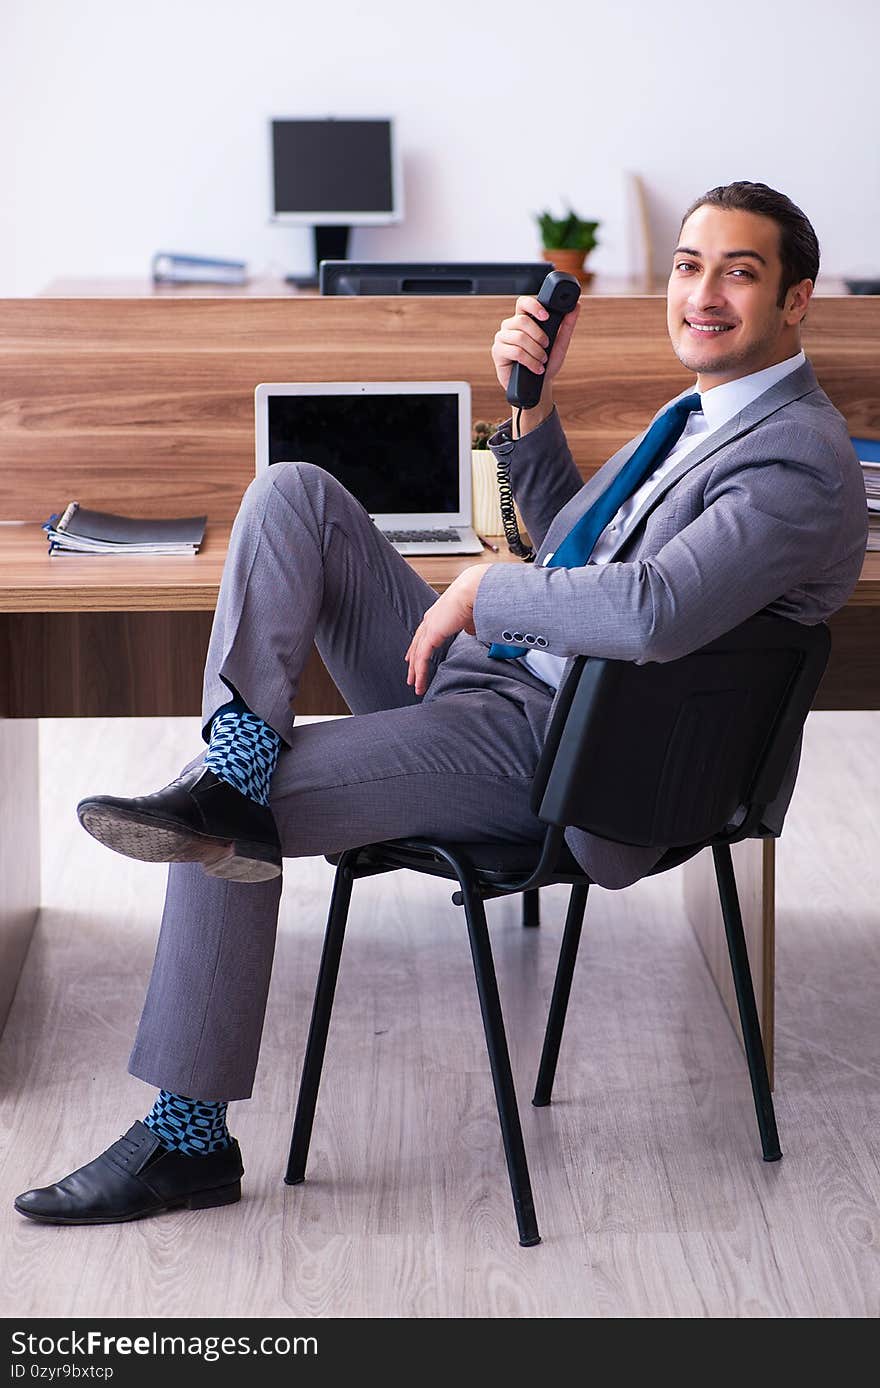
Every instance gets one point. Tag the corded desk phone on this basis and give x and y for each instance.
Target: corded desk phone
(558, 294)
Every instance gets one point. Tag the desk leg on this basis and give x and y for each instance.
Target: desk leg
(754, 865)
(19, 849)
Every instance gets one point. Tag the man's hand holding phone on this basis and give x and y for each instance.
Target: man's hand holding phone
(522, 339)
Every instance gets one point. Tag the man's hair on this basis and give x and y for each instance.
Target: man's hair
(798, 244)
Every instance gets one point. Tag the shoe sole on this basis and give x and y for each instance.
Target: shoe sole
(198, 1200)
(137, 835)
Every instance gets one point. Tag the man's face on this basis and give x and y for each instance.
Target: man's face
(721, 307)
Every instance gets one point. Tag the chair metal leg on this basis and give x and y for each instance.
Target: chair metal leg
(745, 997)
(531, 908)
(499, 1060)
(571, 936)
(320, 1023)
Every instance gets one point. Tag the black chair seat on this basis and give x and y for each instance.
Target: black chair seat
(491, 863)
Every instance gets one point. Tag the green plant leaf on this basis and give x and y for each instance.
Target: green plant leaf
(571, 232)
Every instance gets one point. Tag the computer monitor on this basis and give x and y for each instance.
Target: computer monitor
(332, 174)
(431, 277)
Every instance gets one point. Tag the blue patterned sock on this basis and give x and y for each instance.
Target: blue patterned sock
(193, 1127)
(243, 750)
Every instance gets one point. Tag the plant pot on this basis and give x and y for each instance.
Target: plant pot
(572, 262)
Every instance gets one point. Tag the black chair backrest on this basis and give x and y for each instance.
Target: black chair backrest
(681, 752)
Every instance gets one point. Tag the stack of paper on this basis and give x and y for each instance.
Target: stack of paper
(79, 531)
(869, 457)
(871, 474)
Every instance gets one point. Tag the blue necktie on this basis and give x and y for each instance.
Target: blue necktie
(576, 548)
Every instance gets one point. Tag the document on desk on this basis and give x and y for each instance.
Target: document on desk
(78, 530)
(871, 474)
(869, 457)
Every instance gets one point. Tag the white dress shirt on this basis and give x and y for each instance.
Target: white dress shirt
(718, 406)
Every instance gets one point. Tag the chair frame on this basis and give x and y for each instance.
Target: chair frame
(477, 885)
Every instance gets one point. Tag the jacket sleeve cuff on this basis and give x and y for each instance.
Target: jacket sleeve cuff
(549, 431)
(499, 595)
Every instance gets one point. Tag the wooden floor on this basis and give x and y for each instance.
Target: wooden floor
(651, 1195)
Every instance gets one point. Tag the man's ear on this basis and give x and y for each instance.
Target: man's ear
(797, 301)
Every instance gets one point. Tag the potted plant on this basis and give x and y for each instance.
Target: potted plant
(567, 242)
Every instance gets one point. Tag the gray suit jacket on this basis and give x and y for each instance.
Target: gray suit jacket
(767, 513)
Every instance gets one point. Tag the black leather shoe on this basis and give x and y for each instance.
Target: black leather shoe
(196, 819)
(134, 1178)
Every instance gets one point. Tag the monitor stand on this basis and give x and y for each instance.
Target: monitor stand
(331, 243)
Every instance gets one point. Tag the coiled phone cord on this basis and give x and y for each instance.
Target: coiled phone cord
(515, 542)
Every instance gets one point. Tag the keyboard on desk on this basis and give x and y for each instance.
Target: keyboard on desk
(450, 540)
(399, 536)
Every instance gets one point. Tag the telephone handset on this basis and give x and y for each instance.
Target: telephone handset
(558, 294)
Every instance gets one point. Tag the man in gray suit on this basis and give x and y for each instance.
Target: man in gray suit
(753, 500)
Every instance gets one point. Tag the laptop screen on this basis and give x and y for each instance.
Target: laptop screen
(394, 453)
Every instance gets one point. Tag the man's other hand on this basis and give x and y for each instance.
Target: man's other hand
(451, 613)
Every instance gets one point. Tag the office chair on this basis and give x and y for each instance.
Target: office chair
(684, 755)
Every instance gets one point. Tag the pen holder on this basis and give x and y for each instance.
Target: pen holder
(487, 506)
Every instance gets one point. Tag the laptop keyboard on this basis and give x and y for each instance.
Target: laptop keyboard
(420, 536)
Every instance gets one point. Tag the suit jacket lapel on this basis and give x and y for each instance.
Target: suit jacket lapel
(791, 387)
(592, 489)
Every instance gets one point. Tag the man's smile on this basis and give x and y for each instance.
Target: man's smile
(707, 329)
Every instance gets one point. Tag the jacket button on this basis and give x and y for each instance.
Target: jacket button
(529, 638)
(507, 636)
(540, 640)
(518, 636)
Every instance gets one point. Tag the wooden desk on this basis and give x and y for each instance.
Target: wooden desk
(86, 636)
(264, 286)
(145, 405)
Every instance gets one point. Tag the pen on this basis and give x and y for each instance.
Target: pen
(487, 544)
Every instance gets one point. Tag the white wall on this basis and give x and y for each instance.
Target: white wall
(129, 127)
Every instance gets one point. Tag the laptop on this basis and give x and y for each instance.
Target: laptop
(402, 448)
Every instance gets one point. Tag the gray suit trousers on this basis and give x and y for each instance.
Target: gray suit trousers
(306, 564)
